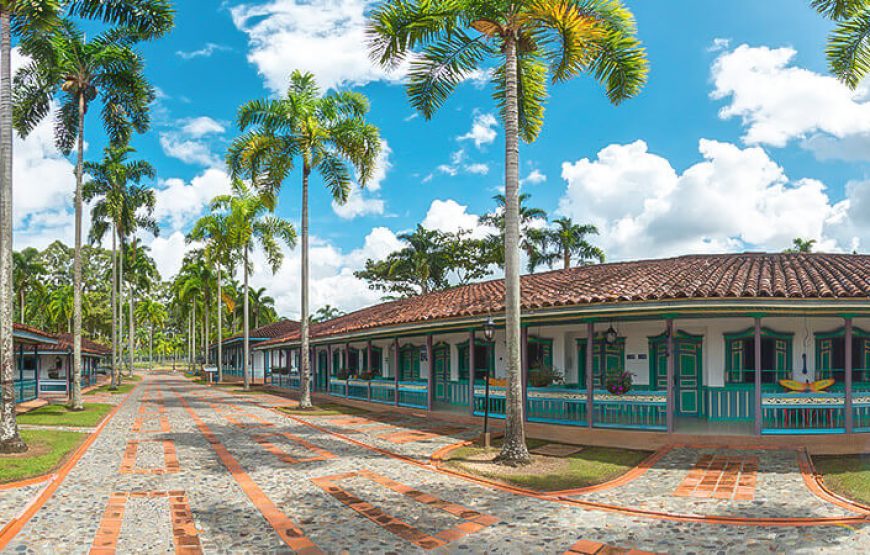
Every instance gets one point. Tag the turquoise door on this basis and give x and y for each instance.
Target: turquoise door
(442, 372)
(688, 394)
(322, 370)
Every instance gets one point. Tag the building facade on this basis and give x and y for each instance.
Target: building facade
(668, 345)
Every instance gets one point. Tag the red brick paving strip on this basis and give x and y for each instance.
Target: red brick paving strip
(473, 521)
(412, 436)
(263, 440)
(170, 458)
(289, 532)
(184, 533)
(586, 547)
(721, 477)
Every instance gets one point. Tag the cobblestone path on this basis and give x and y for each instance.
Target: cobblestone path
(188, 469)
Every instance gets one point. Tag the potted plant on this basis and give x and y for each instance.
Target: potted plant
(619, 384)
(544, 377)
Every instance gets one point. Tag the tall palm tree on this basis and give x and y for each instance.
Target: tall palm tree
(848, 47)
(60, 307)
(151, 313)
(567, 242)
(211, 230)
(261, 304)
(527, 42)
(141, 276)
(149, 19)
(328, 133)
(251, 223)
(77, 72)
(528, 233)
(123, 205)
(27, 273)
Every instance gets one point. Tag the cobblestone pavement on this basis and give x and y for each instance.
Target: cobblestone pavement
(191, 469)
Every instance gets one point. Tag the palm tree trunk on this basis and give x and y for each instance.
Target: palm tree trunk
(566, 258)
(514, 451)
(151, 348)
(305, 366)
(245, 367)
(21, 294)
(132, 339)
(220, 327)
(10, 440)
(76, 393)
(114, 301)
(121, 241)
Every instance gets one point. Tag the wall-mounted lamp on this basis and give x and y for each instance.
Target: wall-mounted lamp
(489, 329)
(610, 336)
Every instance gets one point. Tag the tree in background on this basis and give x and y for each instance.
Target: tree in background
(250, 222)
(848, 47)
(329, 135)
(565, 242)
(531, 219)
(152, 314)
(801, 246)
(27, 275)
(432, 261)
(211, 230)
(528, 43)
(325, 313)
(122, 206)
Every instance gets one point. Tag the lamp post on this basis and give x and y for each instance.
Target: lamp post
(488, 333)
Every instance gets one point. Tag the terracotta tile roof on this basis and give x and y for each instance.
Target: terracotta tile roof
(270, 331)
(65, 342)
(748, 275)
(23, 328)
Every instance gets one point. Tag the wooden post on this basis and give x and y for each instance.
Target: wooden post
(36, 366)
(590, 379)
(670, 376)
(524, 379)
(430, 386)
(328, 366)
(758, 376)
(847, 407)
(396, 370)
(369, 369)
(471, 370)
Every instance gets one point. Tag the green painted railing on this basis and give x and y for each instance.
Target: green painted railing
(556, 406)
(803, 413)
(338, 388)
(730, 403)
(641, 410)
(383, 391)
(358, 389)
(25, 390)
(295, 381)
(496, 401)
(413, 394)
(861, 411)
(457, 393)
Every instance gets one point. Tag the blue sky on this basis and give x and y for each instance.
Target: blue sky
(739, 141)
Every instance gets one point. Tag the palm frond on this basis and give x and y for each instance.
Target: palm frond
(848, 49)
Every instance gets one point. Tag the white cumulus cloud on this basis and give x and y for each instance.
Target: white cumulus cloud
(778, 102)
(179, 203)
(735, 198)
(325, 37)
(482, 130)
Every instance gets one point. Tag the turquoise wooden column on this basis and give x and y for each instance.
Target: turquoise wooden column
(590, 383)
(471, 350)
(36, 366)
(669, 410)
(847, 406)
(430, 376)
(758, 416)
(396, 369)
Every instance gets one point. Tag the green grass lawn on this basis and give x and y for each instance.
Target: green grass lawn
(58, 415)
(326, 409)
(123, 388)
(848, 475)
(592, 465)
(47, 450)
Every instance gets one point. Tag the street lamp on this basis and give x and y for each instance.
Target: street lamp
(488, 333)
(611, 335)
